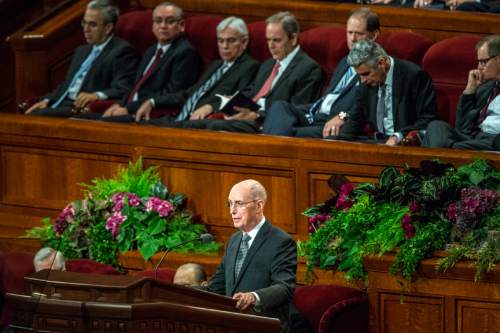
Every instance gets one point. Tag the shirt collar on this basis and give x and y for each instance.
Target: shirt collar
(100, 47)
(390, 74)
(286, 60)
(253, 233)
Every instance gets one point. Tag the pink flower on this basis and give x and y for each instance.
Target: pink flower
(113, 223)
(118, 198)
(133, 200)
(163, 207)
(65, 218)
(316, 221)
(343, 202)
(407, 226)
(347, 188)
(415, 207)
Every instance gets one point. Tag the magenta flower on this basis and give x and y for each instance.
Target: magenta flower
(118, 198)
(133, 200)
(65, 218)
(343, 200)
(415, 207)
(347, 188)
(316, 221)
(407, 226)
(163, 207)
(114, 222)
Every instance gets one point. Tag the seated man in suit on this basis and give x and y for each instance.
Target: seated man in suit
(191, 275)
(260, 262)
(290, 75)
(234, 71)
(167, 67)
(326, 116)
(394, 98)
(478, 111)
(102, 69)
(48, 258)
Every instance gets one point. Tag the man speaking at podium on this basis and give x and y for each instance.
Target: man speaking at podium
(259, 265)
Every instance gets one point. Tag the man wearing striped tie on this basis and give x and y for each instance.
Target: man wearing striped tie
(102, 69)
(260, 262)
(326, 116)
(234, 71)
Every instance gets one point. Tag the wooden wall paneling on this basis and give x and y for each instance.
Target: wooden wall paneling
(50, 178)
(474, 316)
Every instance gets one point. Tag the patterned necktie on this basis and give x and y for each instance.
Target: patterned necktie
(381, 109)
(348, 75)
(266, 87)
(190, 104)
(146, 75)
(84, 68)
(242, 253)
(495, 91)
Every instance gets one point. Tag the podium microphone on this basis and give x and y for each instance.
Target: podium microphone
(204, 238)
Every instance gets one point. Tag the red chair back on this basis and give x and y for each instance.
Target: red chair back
(405, 45)
(164, 274)
(201, 32)
(136, 28)
(448, 62)
(90, 266)
(257, 44)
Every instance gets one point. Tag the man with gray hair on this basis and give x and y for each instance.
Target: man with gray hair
(477, 125)
(191, 275)
(48, 258)
(290, 75)
(395, 96)
(102, 69)
(234, 71)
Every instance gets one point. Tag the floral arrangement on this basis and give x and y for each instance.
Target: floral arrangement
(133, 210)
(412, 213)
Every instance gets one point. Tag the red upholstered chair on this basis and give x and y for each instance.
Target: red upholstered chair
(165, 274)
(405, 45)
(16, 265)
(448, 62)
(90, 266)
(257, 44)
(331, 308)
(327, 45)
(135, 27)
(201, 32)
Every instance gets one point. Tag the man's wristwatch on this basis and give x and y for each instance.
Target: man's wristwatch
(343, 115)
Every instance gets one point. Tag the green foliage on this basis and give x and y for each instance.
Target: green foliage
(133, 210)
(406, 212)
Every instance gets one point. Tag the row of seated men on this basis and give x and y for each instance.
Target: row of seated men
(372, 97)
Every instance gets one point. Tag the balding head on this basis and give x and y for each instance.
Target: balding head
(190, 275)
(246, 204)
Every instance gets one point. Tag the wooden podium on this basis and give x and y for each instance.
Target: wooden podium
(76, 302)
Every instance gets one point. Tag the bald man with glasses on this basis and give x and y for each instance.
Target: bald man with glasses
(260, 262)
(478, 112)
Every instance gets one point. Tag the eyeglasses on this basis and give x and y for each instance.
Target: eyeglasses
(166, 20)
(483, 62)
(238, 204)
(230, 40)
(89, 24)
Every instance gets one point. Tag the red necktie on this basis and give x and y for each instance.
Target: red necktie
(266, 87)
(146, 74)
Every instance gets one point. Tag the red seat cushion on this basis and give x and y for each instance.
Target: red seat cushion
(327, 45)
(90, 266)
(201, 32)
(320, 303)
(405, 45)
(449, 62)
(257, 44)
(136, 28)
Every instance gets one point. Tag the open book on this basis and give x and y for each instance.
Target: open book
(227, 104)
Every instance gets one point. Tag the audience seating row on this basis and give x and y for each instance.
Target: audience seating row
(447, 61)
(328, 308)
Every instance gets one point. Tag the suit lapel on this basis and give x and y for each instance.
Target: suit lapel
(397, 85)
(232, 253)
(259, 240)
(289, 69)
(337, 75)
(98, 60)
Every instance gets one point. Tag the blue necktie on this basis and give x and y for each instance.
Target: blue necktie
(242, 253)
(337, 90)
(84, 67)
(195, 97)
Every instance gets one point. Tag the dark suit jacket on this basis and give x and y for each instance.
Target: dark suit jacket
(238, 77)
(469, 107)
(299, 83)
(112, 72)
(413, 101)
(269, 270)
(179, 69)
